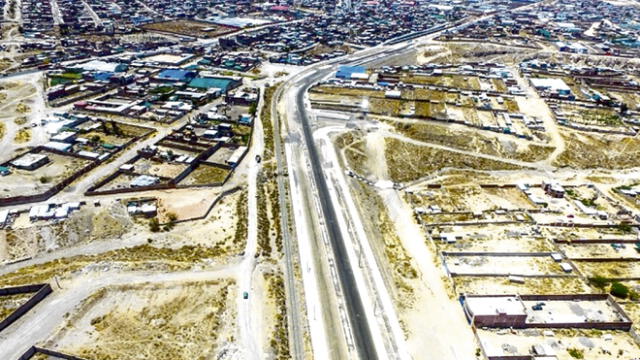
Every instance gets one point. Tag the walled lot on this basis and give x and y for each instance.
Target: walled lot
(160, 169)
(221, 155)
(532, 286)
(590, 342)
(563, 205)
(26, 239)
(107, 139)
(205, 175)
(587, 194)
(517, 265)
(194, 151)
(486, 240)
(587, 233)
(9, 303)
(612, 269)
(173, 322)
(474, 198)
(600, 251)
(122, 181)
(456, 81)
(25, 182)
(190, 203)
(604, 118)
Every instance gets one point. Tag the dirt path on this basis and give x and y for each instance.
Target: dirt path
(536, 106)
(445, 316)
(375, 154)
(455, 150)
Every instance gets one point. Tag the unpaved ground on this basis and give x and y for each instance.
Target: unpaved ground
(188, 203)
(591, 344)
(16, 95)
(462, 138)
(408, 162)
(173, 322)
(86, 225)
(9, 303)
(584, 150)
(534, 286)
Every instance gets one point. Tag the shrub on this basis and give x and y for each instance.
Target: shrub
(576, 353)
(154, 225)
(599, 281)
(619, 290)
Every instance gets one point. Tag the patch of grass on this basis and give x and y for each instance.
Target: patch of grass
(205, 174)
(599, 281)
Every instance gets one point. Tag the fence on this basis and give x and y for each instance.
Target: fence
(34, 350)
(41, 291)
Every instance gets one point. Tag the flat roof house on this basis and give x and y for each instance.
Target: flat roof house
(30, 161)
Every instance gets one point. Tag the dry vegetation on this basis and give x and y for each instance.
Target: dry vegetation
(86, 225)
(599, 151)
(472, 141)
(205, 175)
(408, 162)
(22, 136)
(543, 285)
(269, 231)
(9, 303)
(267, 122)
(142, 257)
(242, 213)
(280, 339)
(172, 323)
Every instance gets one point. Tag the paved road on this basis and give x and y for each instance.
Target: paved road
(360, 329)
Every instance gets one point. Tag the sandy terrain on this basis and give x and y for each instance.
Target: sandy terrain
(180, 321)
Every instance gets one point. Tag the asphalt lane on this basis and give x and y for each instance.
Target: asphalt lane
(357, 318)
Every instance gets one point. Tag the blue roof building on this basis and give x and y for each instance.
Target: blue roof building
(176, 75)
(345, 72)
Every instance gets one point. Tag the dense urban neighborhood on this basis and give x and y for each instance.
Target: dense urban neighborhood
(307, 179)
